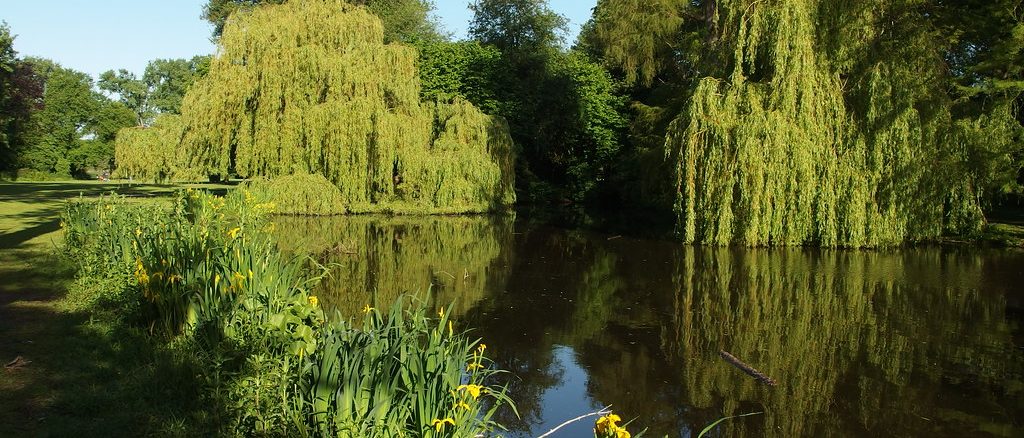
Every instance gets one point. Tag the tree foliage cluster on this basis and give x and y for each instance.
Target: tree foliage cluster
(51, 118)
(285, 98)
(54, 120)
(860, 123)
(404, 20)
(566, 112)
(159, 91)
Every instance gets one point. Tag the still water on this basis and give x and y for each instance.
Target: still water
(911, 342)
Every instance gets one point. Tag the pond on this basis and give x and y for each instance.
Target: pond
(911, 342)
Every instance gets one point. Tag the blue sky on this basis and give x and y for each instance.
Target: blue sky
(95, 36)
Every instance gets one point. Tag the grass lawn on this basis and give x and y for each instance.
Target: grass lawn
(79, 373)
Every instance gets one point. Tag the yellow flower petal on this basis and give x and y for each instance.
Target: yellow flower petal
(473, 390)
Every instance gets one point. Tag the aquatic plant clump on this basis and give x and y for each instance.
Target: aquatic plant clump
(283, 97)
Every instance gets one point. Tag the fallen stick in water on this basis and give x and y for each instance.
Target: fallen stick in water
(761, 377)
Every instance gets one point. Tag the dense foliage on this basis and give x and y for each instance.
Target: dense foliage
(283, 97)
(72, 128)
(565, 111)
(299, 194)
(808, 122)
(20, 95)
(152, 153)
(159, 91)
(404, 20)
(204, 275)
(52, 121)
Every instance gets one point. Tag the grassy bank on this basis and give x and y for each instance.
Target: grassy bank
(78, 368)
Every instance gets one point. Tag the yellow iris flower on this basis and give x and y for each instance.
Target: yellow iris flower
(439, 424)
(607, 427)
(473, 390)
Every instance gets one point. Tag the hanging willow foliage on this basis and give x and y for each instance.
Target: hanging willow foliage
(151, 153)
(810, 121)
(309, 87)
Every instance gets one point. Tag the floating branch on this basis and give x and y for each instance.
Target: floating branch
(747, 368)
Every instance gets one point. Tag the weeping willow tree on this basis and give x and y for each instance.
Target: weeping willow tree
(309, 87)
(805, 122)
(151, 153)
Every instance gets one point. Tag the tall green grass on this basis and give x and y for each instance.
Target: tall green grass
(203, 275)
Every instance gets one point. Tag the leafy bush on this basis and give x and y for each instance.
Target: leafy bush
(39, 175)
(300, 194)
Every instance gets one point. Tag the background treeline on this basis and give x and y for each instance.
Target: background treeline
(61, 122)
(864, 123)
(591, 119)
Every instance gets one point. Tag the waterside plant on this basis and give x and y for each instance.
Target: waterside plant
(203, 275)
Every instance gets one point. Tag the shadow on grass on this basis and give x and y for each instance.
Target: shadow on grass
(85, 374)
(49, 191)
(15, 239)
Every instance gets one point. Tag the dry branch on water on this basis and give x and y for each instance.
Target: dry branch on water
(761, 377)
(604, 411)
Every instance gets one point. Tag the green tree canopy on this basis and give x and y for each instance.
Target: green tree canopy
(169, 79)
(283, 97)
(72, 126)
(404, 20)
(517, 26)
(131, 91)
(566, 112)
(805, 121)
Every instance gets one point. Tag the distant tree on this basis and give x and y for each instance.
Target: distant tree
(69, 104)
(463, 69)
(566, 112)
(405, 20)
(169, 79)
(517, 26)
(70, 126)
(131, 91)
(8, 63)
(8, 98)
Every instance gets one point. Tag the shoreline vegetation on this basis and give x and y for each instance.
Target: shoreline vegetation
(195, 291)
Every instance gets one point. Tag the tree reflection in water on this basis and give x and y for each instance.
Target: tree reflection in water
(911, 342)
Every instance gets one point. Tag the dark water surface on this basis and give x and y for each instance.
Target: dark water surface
(911, 342)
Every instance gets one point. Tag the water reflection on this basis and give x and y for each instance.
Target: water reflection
(911, 342)
(373, 259)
